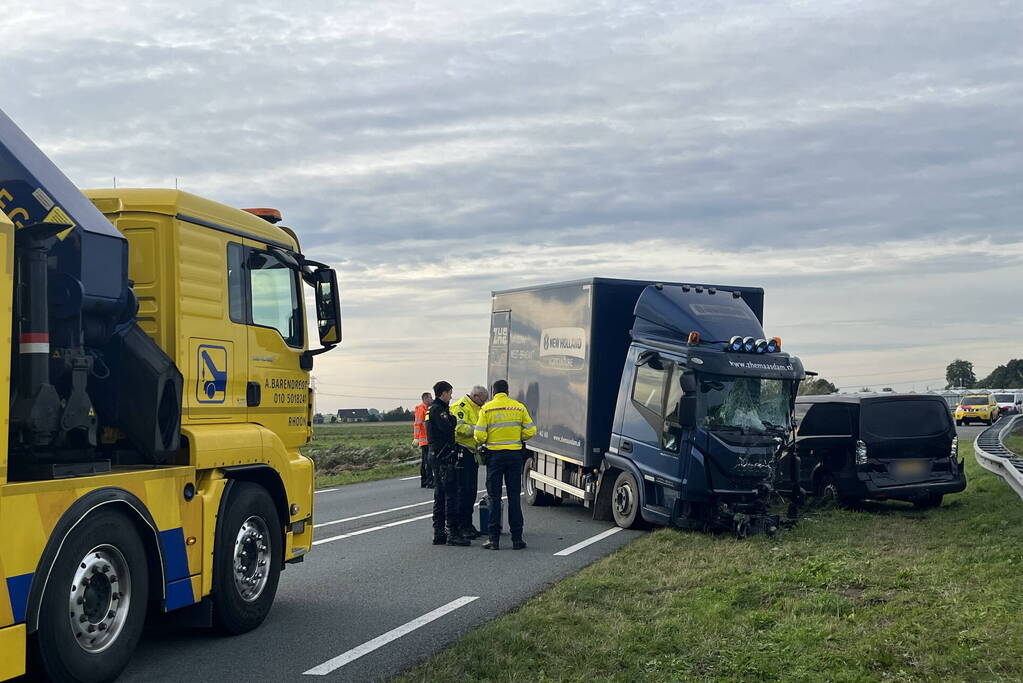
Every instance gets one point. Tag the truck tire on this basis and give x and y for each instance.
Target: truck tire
(625, 501)
(247, 560)
(534, 496)
(101, 578)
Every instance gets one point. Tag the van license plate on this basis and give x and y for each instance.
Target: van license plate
(911, 468)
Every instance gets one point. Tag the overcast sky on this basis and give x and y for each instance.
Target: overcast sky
(859, 160)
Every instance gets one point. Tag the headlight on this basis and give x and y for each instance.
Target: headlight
(861, 453)
(735, 344)
(748, 343)
(761, 345)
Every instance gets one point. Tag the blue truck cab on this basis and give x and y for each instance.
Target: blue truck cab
(657, 403)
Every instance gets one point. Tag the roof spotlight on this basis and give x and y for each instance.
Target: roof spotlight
(735, 344)
(748, 343)
(761, 345)
(773, 345)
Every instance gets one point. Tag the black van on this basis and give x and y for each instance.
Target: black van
(878, 446)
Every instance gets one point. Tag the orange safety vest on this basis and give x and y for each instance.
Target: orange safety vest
(419, 426)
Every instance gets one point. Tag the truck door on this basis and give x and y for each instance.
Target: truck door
(644, 438)
(214, 361)
(277, 393)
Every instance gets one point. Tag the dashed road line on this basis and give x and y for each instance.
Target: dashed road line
(589, 541)
(336, 663)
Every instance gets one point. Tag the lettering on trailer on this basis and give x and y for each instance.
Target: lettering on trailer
(211, 375)
(563, 347)
(287, 391)
(26, 206)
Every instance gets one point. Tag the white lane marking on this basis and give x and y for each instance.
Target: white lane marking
(379, 512)
(371, 529)
(409, 478)
(589, 541)
(392, 635)
(324, 490)
(372, 514)
(341, 537)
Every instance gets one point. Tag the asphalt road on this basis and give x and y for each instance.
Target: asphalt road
(375, 596)
(379, 574)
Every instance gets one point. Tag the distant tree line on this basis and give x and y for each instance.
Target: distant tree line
(960, 374)
(399, 414)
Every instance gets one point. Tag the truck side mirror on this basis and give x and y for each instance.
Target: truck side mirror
(328, 306)
(687, 380)
(687, 404)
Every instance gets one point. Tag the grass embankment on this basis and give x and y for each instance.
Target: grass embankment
(882, 593)
(352, 453)
(1014, 442)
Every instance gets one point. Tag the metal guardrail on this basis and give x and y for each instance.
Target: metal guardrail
(991, 453)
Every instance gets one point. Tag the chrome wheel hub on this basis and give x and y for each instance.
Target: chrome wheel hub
(252, 558)
(100, 598)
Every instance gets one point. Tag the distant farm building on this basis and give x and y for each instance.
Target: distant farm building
(353, 415)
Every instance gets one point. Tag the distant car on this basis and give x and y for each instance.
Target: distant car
(1008, 403)
(878, 446)
(977, 408)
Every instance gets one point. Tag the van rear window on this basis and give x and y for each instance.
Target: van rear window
(902, 419)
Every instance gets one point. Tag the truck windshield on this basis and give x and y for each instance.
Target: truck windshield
(751, 405)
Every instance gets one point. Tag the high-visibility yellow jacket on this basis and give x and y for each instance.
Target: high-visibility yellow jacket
(503, 424)
(466, 412)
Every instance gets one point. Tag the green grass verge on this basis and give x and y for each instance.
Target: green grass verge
(359, 476)
(886, 592)
(1015, 444)
(354, 453)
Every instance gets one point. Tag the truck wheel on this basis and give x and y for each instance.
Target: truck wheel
(94, 605)
(247, 564)
(534, 496)
(625, 501)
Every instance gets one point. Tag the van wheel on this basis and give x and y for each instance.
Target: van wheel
(247, 563)
(94, 605)
(931, 501)
(534, 496)
(827, 491)
(625, 502)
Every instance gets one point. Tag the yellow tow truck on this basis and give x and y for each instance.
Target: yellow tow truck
(157, 366)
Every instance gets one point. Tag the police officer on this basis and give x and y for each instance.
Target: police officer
(503, 425)
(440, 431)
(466, 411)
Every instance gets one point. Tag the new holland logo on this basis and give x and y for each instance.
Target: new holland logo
(563, 347)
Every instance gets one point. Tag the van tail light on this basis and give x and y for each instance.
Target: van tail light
(955, 449)
(861, 453)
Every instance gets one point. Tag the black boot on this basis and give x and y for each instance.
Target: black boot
(456, 537)
(518, 544)
(439, 538)
(492, 544)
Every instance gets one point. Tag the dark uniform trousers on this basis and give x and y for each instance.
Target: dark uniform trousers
(506, 467)
(469, 476)
(446, 501)
(425, 475)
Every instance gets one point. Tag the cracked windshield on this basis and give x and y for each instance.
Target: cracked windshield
(749, 405)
